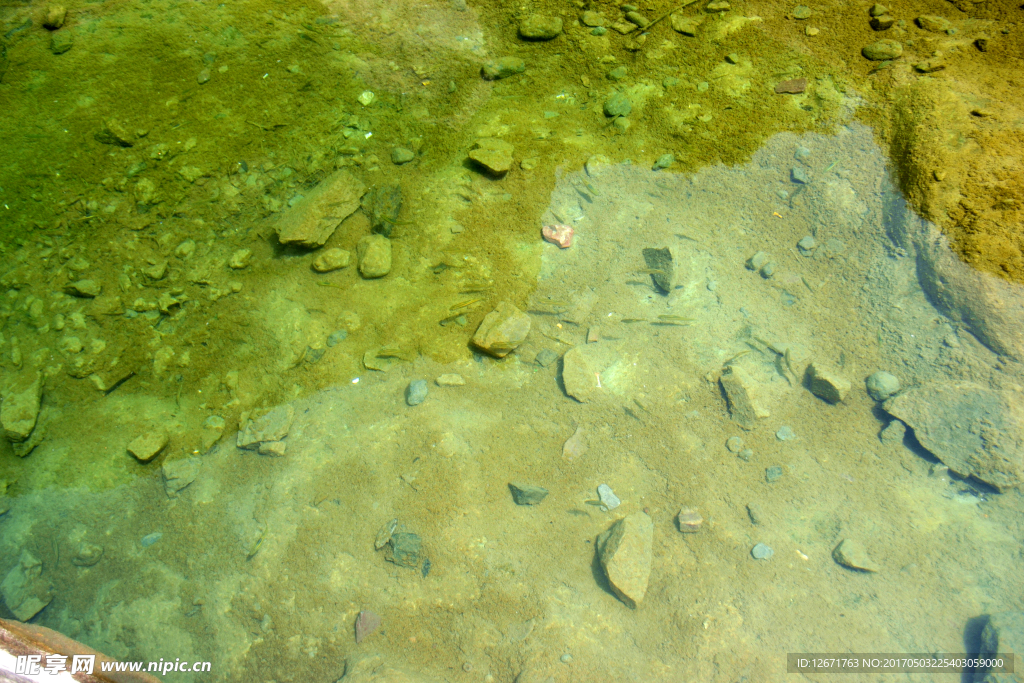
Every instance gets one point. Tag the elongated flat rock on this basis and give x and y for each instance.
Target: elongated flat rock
(625, 554)
(973, 430)
(20, 408)
(314, 218)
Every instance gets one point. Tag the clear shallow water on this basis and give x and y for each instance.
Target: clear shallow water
(265, 562)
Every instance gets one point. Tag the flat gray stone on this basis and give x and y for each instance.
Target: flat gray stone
(402, 155)
(975, 431)
(661, 260)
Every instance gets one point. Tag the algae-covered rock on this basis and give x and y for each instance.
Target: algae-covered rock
(502, 330)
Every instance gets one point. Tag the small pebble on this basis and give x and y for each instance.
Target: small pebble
(734, 444)
(402, 155)
(773, 474)
(450, 380)
(785, 433)
(732, 58)
(807, 245)
(755, 513)
(566, 658)
(689, 521)
(768, 270)
(337, 337)
(746, 454)
(761, 552)
(811, 31)
(416, 392)
(802, 153)
(799, 175)
(802, 12)
(546, 357)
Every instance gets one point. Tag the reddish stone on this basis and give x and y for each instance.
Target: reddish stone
(558, 234)
(366, 623)
(793, 87)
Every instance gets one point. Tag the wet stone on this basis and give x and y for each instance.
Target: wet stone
(540, 27)
(801, 12)
(734, 444)
(54, 17)
(24, 590)
(147, 446)
(618, 73)
(273, 426)
(761, 552)
(773, 474)
(757, 261)
(746, 455)
(827, 384)
(494, 154)
(717, 6)
(625, 552)
(502, 330)
(374, 255)
(635, 17)
(86, 289)
(741, 393)
(593, 19)
(608, 497)
(882, 50)
(933, 23)
(403, 549)
(785, 433)
(882, 23)
(178, 474)
(807, 245)
(686, 25)
(382, 204)
(893, 433)
(366, 623)
(331, 259)
(664, 161)
(661, 260)
(336, 338)
(881, 385)
(450, 380)
(546, 357)
(503, 68)
(799, 175)
(402, 155)
(19, 410)
(689, 521)
(878, 10)
(755, 513)
(314, 217)
(852, 554)
(617, 105)
(416, 392)
(525, 494)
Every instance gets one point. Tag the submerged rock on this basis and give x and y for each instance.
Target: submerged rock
(827, 384)
(741, 393)
(331, 259)
(540, 27)
(852, 554)
(502, 330)
(493, 154)
(976, 431)
(625, 551)
(504, 67)
(273, 426)
(582, 367)
(147, 446)
(883, 50)
(374, 253)
(313, 219)
(24, 590)
(19, 410)
(526, 494)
